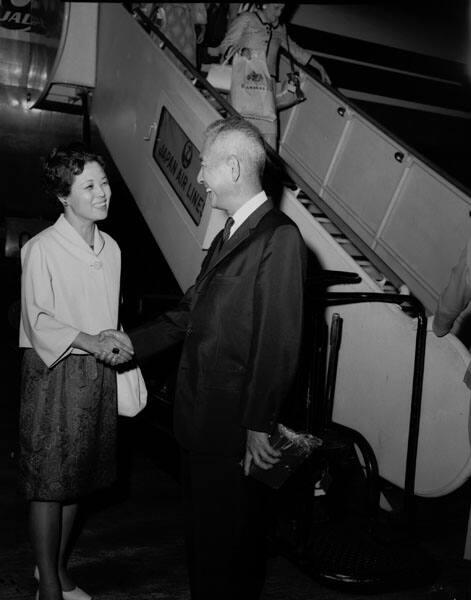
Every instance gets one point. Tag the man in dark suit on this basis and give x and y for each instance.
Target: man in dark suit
(241, 325)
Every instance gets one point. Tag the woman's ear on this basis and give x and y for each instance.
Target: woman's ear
(63, 201)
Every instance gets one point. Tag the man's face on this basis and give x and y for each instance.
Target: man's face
(215, 173)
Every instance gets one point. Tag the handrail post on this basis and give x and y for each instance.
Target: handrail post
(336, 298)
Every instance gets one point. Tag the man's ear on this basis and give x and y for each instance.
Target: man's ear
(234, 165)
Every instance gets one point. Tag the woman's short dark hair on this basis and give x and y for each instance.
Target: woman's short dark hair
(62, 166)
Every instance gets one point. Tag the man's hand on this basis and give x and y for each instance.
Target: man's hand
(259, 450)
(115, 347)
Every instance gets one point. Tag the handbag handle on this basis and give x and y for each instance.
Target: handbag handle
(228, 55)
(299, 93)
(291, 61)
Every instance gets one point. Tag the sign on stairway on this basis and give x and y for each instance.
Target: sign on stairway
(178, 158)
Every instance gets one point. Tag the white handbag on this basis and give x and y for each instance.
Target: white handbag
(131, 392)
(220, 76)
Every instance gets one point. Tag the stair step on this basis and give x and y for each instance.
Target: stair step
(315, 211)
(347, 245)
(389, 288)
(371, 270)
(328, 225)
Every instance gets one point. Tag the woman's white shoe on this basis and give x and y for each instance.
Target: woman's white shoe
(75, 594)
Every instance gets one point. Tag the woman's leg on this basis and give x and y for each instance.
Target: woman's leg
(46, 525)
(69, 512)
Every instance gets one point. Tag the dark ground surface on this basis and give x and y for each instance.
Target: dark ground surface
(131, 545)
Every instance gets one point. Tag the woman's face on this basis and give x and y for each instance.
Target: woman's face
(273, 12)
(90, 194)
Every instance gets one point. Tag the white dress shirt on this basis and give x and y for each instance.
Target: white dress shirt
(244, 212)
(66, 288)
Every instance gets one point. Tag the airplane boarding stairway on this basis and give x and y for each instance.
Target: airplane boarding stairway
(363, 202)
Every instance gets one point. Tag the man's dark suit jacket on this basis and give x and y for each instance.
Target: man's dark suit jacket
(241, 326)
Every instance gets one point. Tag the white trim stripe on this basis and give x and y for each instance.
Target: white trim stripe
(356, 95)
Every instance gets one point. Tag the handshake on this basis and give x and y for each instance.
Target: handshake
(113, 347)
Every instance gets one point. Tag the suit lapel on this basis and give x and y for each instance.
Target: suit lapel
(237, 238)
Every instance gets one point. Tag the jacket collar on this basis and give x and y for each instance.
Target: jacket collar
(266, 23)
(237, 238)
(67, 231)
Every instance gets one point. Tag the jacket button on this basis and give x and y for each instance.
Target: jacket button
(97, 264)
(189, 331)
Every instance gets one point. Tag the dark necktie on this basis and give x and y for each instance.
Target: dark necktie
(227, 230)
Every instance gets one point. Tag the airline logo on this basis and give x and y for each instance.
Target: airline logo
(15, 14)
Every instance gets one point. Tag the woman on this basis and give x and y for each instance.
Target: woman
(260, 33)
(179, 21)
(68, 416)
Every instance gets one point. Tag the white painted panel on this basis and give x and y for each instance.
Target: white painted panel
(311, 133)
(426, 230)
(364, 178)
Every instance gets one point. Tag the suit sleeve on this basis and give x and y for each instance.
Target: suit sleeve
(171, 327)
(456, 296)
(278, 323)
(165, 331)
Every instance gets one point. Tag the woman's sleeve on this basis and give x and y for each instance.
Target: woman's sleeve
(234, 33)
(301, 55)
(49, 337)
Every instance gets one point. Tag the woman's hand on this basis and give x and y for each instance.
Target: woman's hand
(200, 32)
(115, 347)
(232, 50)
(324, 77)
(110, 346)
(322, 72)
